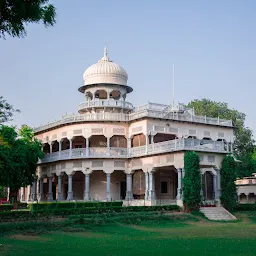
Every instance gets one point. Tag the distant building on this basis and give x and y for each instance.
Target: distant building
(112, 150)
(246, 189)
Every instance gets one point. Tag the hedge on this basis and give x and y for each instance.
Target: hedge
(71, 205)
(86, 210)
(6, 207)
(245, 207)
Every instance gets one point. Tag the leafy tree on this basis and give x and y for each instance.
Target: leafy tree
(244, 142)
(15, 14)
(18, 157)
(6, 110)
(3, 193)
(228, 176)
(191, 182)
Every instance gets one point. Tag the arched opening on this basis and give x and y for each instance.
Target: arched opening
(251, 198)
(118, 141)
(101, 94)
(55, 146)
(166, 183)
(78, 142)
(242, 198)
(46, 148)
(207, 186)
(115, 94)
(139, 140)
(118, 185)
(88, 95)
(78, 185)
(98, 186)
(98, 141)
(160, 137)
(138, 184)
(65, 144)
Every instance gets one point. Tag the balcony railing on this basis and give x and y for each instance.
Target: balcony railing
(156, 148)
(148, 110)
(105, 103)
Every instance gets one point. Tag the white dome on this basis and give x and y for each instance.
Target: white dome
(105, 71)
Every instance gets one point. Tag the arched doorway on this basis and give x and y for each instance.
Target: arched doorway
(78, 185)
(138, 184)
(207, 186)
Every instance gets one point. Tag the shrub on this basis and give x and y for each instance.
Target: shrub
(6, 207)
(228, 176)
(191, 182)
(245, 207)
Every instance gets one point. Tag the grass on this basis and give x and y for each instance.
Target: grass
(132, 234)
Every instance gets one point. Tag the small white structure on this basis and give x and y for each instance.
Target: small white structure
(112, 150)
(246, 189)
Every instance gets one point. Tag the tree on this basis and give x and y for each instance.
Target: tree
(228, 176)
(6, 111)
(15, 14)
(18, 157)
(244, 142)
(191, 182)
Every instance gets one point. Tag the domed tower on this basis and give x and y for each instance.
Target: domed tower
(105, 88)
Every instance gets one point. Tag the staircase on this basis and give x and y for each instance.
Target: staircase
(217, 213)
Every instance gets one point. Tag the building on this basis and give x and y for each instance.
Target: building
(112, 150)
(246, 190)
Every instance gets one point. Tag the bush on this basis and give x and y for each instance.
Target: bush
(72, 205)
(192, 182)
(228, 176)
(245, 207)
(6, 207)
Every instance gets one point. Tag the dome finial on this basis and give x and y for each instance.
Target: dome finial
(105, 57)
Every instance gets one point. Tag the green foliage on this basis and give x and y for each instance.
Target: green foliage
(6, 207)
(245, 207)
(244, 142)
(191, 182)
(228, 176)
(6, 111)
(3, 193)
(15, 14)
(18, 158)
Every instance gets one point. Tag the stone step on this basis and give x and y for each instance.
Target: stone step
(217, 213)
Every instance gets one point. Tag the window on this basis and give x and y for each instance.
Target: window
(164, 187)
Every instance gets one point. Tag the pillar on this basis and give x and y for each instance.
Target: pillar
(34, 196)
(29, 193)
(129, 194)
(151, 195)
(50, 148)
(179, 188)
(108, 145)
(70, 190)
(146, 186)
(50, 198)
(87, 187)
(60, 196)
(87, 147)
(22, 194)
(108, 186)
(214, 187)
(218, 186)
(60, 146)
(41, 190)
(146, 150)
(33, 192)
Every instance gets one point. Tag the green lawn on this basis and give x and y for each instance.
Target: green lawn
(188, 236)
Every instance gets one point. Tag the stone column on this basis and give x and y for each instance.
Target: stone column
(108, 145)
(87, 147)
(29, 193)
(70, 147)
(22, 194)
(146, 186)
(108, 186)
(34, 191)
(218, 186)
(60, 196)
(50, 198)
(50, 148)
(60, 146)
(87, 187)
(214, 187)
(41, 190)
(70, 190)
(151, 187)
(129, 194)
(146, 150)
(179, 188)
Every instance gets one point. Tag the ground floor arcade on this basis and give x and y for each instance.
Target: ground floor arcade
(161, 185)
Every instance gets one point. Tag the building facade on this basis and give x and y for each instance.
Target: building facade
(246, 189)
(112, 150)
